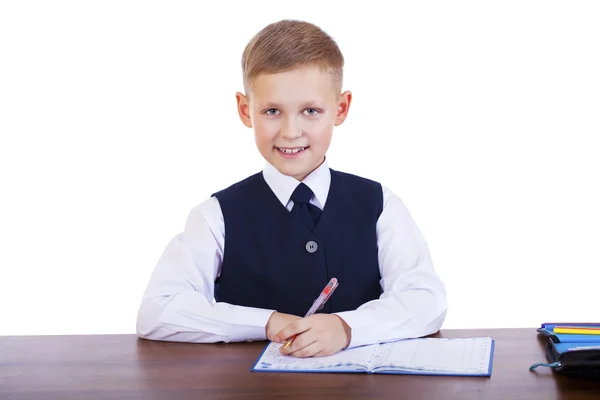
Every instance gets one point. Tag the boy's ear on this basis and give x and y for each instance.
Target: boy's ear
(343, 107)
(243, 107)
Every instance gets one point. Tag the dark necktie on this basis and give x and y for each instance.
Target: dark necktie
(307, 213)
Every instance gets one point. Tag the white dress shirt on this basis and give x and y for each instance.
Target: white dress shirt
(179, 305)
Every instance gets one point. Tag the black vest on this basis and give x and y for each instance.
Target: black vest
(272, 261)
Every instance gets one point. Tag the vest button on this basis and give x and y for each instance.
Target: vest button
(311, 246)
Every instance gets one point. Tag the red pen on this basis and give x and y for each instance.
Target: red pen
(317, 304)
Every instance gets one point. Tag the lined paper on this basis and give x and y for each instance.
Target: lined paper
(355, 359)
(461, 356)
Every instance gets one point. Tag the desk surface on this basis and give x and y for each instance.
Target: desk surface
(125, 367)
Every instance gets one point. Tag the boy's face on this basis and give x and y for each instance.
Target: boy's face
(293, 114)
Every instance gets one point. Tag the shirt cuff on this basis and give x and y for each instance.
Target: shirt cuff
(360, 323)
(253, 322)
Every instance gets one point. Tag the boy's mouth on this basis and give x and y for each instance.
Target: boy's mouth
(291, 150)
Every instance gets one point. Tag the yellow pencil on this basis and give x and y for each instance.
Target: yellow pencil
(577, 331)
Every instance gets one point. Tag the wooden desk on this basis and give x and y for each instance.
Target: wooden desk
(125, 367)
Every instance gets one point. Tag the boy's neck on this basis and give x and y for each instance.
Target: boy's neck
(313, 170)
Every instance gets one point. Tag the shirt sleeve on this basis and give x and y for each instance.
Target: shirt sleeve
(413, 302)
(179, 305)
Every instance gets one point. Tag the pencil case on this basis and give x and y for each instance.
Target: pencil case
(569, 354)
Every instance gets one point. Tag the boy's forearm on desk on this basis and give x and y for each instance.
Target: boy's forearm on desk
(189, 317)
(389, 319)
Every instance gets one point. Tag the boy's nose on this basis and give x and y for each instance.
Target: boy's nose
(291, 129)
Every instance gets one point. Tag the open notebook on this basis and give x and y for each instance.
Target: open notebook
(423, 356)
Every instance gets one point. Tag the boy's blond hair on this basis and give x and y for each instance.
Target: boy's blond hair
(286, 44)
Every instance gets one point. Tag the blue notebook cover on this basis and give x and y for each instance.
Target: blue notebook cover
(423, 356)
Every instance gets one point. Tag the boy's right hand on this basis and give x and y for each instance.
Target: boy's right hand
(277, 322)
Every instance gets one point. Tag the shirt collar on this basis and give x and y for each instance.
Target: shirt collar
(283, 185)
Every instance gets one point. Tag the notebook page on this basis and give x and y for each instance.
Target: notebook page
(351, 359)
(459, 356)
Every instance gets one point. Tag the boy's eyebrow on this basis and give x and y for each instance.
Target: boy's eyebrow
(309, 103)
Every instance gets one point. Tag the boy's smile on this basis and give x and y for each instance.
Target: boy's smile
(291, 152)
(293, 114)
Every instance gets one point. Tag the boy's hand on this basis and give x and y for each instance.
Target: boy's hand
(277, 322)
(317, 335)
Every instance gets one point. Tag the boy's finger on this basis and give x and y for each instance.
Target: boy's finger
(307, 351)
(301, 341)
(295, 328)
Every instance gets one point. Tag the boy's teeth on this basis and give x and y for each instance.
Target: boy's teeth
(291, 151)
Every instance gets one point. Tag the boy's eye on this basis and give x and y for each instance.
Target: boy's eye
(312, 111)
(272, 111)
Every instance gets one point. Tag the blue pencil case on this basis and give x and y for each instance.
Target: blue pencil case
(570, 354)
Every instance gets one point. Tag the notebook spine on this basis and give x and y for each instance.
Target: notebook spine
(377, 355)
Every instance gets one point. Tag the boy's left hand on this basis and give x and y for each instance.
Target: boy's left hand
(317, 335)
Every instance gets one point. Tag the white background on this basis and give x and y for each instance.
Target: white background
(117, 117)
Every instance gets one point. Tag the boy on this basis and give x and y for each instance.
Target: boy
(294, 226)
